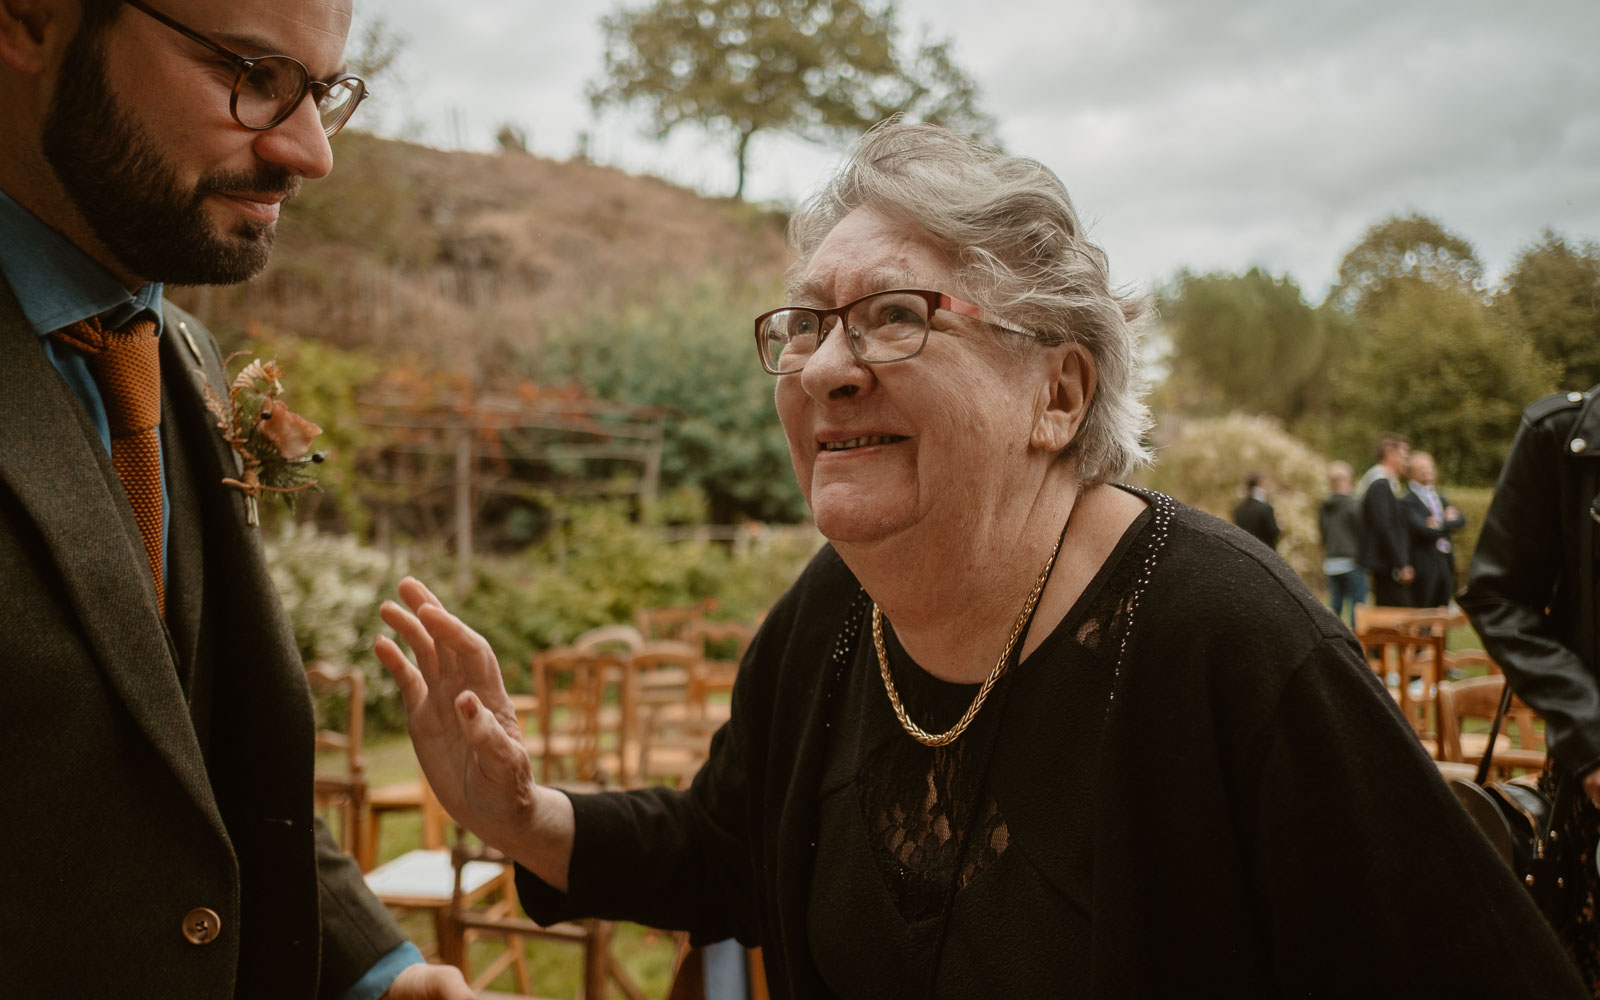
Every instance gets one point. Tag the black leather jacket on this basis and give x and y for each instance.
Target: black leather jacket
(1532, 589)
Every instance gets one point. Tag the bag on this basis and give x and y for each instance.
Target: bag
(1528, 828)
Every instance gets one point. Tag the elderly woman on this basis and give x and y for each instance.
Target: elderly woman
(1016, 730)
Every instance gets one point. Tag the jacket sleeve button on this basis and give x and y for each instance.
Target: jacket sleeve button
(201, 925)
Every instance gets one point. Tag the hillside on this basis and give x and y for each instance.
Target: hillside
(456, 254)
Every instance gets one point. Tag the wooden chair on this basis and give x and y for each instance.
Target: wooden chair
(1410, 664)
(1520, 744)
(469, 920)
(1384, 616)
(427, 880)
(343, 789)
(571, 690)
(723, 645)
(658, 678)
(403, 796)
(670, 623)
(622, 639)
(672, 746)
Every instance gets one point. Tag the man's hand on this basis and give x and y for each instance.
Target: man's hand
(1432, 522)
(1405, 574)
(429, 982)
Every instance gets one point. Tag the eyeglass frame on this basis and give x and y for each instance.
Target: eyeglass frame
(935, 300)
(244, 64)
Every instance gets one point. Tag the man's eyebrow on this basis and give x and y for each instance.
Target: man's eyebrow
(254, 47)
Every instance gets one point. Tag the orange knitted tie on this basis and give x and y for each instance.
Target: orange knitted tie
(126, 365)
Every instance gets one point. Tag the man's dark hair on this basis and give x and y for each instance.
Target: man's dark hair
(1252, 481)
(97, 16)
(1388, 442)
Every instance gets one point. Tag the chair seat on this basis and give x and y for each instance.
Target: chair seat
(424, 878)
(401, 795)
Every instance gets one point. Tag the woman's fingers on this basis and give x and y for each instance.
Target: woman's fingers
(417, 595)
(413, 689)
(493, 744)
(409, 628)
(464, 655)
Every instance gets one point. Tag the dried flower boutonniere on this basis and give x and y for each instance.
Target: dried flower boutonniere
(271, 443)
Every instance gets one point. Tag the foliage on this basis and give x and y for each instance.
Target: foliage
(1207, 464)
(321, 383)
(1400, 250)
(817, 68)
(598, 569)
(511, 138)
(374, 201)
(1552, 295)
(331, 587)
(1438, 369)
(1473, 502)
(690, 353)
(1245, 343)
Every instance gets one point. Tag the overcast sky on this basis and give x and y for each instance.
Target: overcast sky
(1206, 134)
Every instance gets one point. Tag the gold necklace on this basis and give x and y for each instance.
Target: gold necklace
(952, 734)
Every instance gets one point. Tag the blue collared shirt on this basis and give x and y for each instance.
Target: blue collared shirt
(57, 285)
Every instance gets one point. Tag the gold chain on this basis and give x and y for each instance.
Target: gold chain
(954, 732)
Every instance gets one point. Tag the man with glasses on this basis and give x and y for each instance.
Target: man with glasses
(155, 730)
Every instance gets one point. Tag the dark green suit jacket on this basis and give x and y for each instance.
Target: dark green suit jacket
(149, 768)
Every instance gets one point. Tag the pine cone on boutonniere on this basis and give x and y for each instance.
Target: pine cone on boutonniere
(271, 443)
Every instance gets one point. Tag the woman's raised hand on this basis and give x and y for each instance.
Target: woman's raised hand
(462, 724)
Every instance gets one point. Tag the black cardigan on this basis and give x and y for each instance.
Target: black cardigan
(1264, 822)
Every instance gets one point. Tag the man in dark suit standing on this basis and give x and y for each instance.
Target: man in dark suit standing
(1430, 521)
(1386, 548)
(1255, 515)
(155, 725)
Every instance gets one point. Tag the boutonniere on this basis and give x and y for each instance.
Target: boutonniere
(271, 443)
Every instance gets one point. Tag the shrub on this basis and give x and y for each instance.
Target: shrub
(1206, 467)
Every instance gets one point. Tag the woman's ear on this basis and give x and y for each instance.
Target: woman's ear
(1066, 400)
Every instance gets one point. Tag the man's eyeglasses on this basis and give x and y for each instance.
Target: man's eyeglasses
(880, 328)
(267, 89)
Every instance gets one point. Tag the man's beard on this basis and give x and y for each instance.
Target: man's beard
(129, 193)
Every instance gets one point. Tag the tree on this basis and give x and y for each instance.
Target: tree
(1438, 368)
(1244, 342)
(1401, 249)
(1552, 296)
(816, 68)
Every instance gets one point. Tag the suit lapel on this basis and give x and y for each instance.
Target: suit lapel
(52, 461)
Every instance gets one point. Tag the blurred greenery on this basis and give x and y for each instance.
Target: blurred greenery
(598, 568)
(691, 353)
(1206, 467)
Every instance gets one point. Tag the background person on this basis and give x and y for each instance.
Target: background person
(1531, 595)
(1339, 526)
(1254, 514)
(1386, 541)
(1016, 731)
(155, 725)
(1430, 521)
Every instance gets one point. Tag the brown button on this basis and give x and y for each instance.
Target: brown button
(201, 926)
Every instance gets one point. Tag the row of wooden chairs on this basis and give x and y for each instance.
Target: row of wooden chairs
(1407, 648)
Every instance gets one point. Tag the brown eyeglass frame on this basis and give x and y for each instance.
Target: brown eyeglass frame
(244, 64)
(935, 301)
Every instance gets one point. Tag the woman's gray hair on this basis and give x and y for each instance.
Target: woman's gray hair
(1020, 253)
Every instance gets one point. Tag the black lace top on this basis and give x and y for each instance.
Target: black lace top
(916, 866)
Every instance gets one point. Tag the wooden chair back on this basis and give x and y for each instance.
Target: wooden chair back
(570, 688)
(339, 783)
(1411, 664)
(621, 639)
(1521, 743)
(669, 623)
